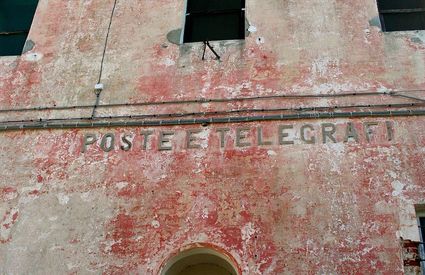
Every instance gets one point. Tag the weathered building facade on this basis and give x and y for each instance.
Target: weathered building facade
(299, 151)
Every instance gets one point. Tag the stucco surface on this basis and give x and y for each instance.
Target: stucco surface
(321, 208)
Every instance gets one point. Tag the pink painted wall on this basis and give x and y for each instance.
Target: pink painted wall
(334, 208)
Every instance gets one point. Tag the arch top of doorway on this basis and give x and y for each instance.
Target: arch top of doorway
(196, 254)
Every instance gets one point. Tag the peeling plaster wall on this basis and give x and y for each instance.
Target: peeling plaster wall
(323, 208)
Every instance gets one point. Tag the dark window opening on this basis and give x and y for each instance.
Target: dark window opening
(15, 22)
(422, 244)
(422, 227)
(402, 15)
(209, 20)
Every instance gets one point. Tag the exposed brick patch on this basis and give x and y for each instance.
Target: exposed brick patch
(410, 253)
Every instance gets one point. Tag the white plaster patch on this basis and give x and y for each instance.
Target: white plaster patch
(205, 213)
(155, 224)
(121, 185)
(207, 85)
(236, 90)
(366, 37)
(154, 168)
(204, 136)
(325, 66)
(10, 196)
(327, 87)
(271, 153)
(31, 188)
(338, 150)
(392, 174)
(398, 187)
(62, 198)
(109, 244)
(383, 89)
(168, 62)
(408, 223)
(247, 231)
(252, 29)
(56, 247)
(203, 237)
(33, 57)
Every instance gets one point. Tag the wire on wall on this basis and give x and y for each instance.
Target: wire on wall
(407, 96)
(99, 86)
(300, 110)
(395, 93)
(206, 121)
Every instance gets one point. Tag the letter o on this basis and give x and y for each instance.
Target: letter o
(104, 143)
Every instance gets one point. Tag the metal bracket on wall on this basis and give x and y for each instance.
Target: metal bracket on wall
(207, 44)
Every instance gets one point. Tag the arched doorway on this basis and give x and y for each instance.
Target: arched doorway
(200, 261)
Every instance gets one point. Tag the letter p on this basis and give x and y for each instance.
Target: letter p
(88, 139)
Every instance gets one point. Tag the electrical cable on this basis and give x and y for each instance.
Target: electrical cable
(206, 121)
(210, 113)
(98, 92)
(218, 100)
(408, 96)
